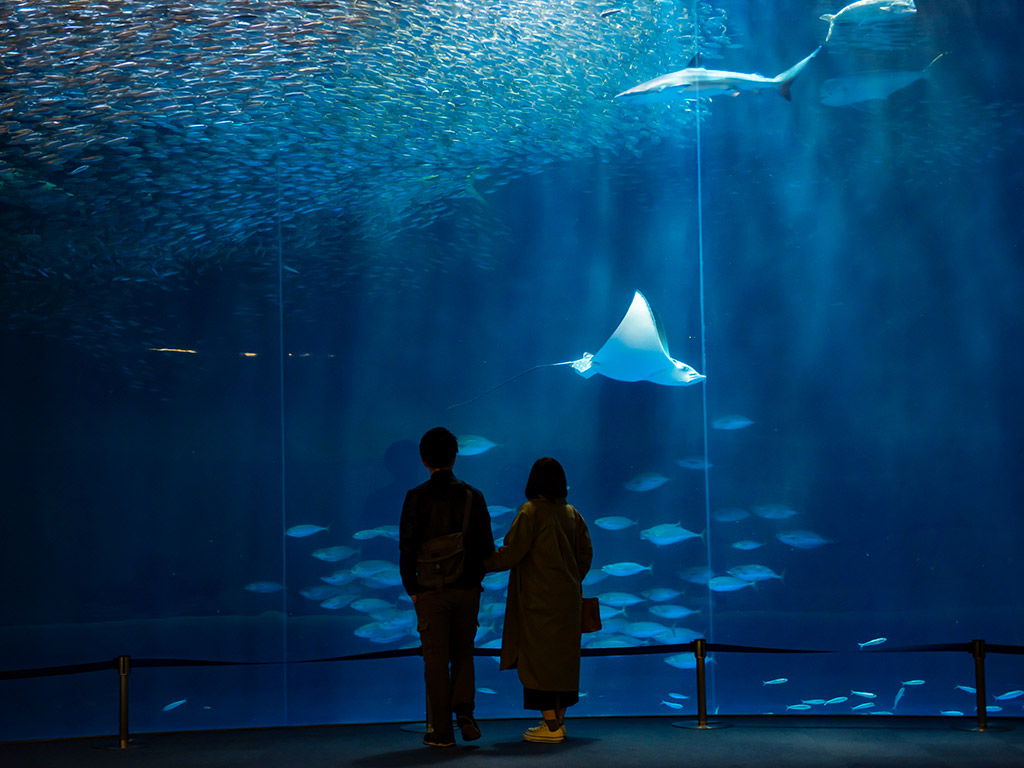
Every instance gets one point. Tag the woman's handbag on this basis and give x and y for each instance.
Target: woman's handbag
(591, 615)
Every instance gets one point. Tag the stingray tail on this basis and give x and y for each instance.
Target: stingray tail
(932, 62)
(506, 381)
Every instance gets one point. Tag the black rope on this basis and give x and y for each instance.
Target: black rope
(1015, 649)
(755, 649)
(639, 650)
(68, 669)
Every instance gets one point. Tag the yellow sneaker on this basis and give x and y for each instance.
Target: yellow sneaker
(541, 733)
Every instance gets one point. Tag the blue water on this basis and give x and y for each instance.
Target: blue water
(848, 278)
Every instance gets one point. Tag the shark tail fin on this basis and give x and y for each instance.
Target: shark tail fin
(831, 19)
(785, 80)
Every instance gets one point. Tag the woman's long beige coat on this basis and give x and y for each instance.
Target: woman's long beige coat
(548, 550)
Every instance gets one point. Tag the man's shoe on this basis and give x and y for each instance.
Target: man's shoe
(542, 733)
(435, 740)
(470, 730)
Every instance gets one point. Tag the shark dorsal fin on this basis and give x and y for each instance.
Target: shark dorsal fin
(694, 62)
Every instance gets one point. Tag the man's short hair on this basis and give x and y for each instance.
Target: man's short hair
(438, 447)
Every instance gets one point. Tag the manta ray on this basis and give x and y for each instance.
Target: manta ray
(636, 351)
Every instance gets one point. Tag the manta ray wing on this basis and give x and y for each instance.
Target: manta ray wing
(637, 351)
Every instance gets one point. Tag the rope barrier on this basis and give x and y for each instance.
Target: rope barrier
(639, 650)
(699, 647)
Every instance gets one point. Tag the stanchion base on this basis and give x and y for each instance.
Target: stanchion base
(416, 728)
(986, 729)
(116, 745)
(696, 725)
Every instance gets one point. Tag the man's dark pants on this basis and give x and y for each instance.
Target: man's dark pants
(447, 621)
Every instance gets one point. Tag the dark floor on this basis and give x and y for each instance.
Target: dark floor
(652, 742)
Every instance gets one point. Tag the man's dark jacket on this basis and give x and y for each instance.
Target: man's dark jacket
(423, 516)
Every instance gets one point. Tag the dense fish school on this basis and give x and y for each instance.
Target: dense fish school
(178, 128)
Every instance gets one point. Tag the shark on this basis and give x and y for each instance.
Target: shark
(695, 82)
(868, 12)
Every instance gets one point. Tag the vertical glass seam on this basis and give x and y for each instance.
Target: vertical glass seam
(284, 518)
(704, 359)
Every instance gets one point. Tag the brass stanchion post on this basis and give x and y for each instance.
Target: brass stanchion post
(124, 668)
(978, 652)
(699, 648)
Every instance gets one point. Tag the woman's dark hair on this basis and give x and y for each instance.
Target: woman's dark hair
(547, 479)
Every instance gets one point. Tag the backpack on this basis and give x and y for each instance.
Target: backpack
(440, 560)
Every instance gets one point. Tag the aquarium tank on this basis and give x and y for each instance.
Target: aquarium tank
(751, 271)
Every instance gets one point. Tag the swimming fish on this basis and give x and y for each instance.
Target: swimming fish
(869, 86)
(876, 641)
(319, 592)
(695, 463)
(334, 554)
(636, 351)
(174, 705)
(625, 568)
(367, 568)
(732, 421)
(661, 594)
(1009, 695)
(644, 629)
(695, 82)
(802, 539)
(681, 660)
(646, 481)
(614, 523)
(388, 531)
(746, 545)
(474, 445)
(668, 533)
(776, 681)
(728, 584)
(339, 578)
(670, 611)
(618, 599)
(371, 605)
(753, 572)
(676, 635)
(338, 601)
(774, 511)
(730, 514)
(264, 587)
(301, 531)
(867, 12)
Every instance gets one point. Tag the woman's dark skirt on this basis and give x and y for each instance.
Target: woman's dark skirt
(554, 700)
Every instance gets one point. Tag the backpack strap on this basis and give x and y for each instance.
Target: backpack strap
(465, 516)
